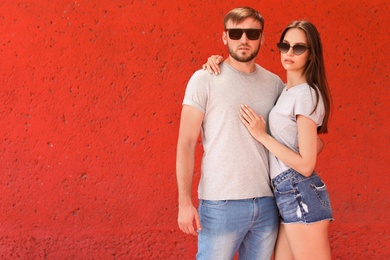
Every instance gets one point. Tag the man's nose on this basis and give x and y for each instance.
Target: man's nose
(244, 38)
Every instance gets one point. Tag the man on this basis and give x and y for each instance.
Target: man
(237, 211)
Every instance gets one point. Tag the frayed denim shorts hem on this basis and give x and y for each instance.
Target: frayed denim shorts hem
(301, 199)
(306, 223)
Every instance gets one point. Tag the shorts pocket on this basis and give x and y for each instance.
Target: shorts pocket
(285, 188)
(319, 188)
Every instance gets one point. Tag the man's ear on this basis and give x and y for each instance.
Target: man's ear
(262, 38)
(224, 38)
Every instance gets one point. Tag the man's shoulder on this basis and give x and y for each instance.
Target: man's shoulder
(272, 77)
(202, 77)
(202, 74)
(266, 72)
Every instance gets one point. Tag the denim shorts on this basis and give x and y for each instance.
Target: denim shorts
(301, 199)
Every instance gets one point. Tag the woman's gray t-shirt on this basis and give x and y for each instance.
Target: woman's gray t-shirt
(298, 100)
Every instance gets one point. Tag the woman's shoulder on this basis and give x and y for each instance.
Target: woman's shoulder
(305, 89)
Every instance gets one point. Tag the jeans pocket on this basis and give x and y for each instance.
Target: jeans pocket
(213, 203)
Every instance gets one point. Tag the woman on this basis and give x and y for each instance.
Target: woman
(301, 112)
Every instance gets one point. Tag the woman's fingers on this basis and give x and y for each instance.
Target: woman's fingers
(244, 121)
(250, 115)
(212, 64)
(244, 115)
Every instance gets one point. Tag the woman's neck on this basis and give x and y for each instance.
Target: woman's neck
(295, 78)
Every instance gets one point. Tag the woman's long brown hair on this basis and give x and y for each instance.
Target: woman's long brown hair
(315, 68)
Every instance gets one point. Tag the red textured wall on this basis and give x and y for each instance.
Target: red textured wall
(90, 99)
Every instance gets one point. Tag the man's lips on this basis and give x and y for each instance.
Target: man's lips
(243, 47)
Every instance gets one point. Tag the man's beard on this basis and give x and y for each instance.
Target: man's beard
(243, 59)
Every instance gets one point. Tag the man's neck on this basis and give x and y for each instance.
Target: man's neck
(246, 67)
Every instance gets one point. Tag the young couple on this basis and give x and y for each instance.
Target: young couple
(240, 208)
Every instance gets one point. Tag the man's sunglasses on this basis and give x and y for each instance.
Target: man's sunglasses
(298, 49)
(251, 34)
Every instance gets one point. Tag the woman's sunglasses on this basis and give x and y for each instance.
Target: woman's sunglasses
(298, 49)
(251, 34)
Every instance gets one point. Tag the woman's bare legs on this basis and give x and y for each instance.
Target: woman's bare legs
(304, 241)
(282, 248)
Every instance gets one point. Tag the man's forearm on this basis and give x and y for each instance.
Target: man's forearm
(184, 175)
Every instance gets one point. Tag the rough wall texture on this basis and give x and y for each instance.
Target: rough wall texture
(90, 99)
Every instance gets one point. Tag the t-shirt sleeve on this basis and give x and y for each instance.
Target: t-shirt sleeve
(196, 92)
(280, 86)
(305, 104)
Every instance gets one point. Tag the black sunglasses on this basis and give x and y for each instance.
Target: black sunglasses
(251, 34)
(298, 49)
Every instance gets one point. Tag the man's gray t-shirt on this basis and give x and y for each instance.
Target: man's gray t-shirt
(298, 100)
(234, 164)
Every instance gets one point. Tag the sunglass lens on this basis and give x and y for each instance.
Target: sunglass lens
(283, 47)
(253, 34)
(299, 49)
(235, 34)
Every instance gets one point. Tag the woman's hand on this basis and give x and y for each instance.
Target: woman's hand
(253, 122)
(212, 64)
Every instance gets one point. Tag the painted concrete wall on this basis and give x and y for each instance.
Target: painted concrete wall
(90, 100)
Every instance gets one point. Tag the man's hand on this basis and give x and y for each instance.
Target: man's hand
(188, 220)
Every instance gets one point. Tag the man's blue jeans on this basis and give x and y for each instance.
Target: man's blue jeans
(249, 226)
